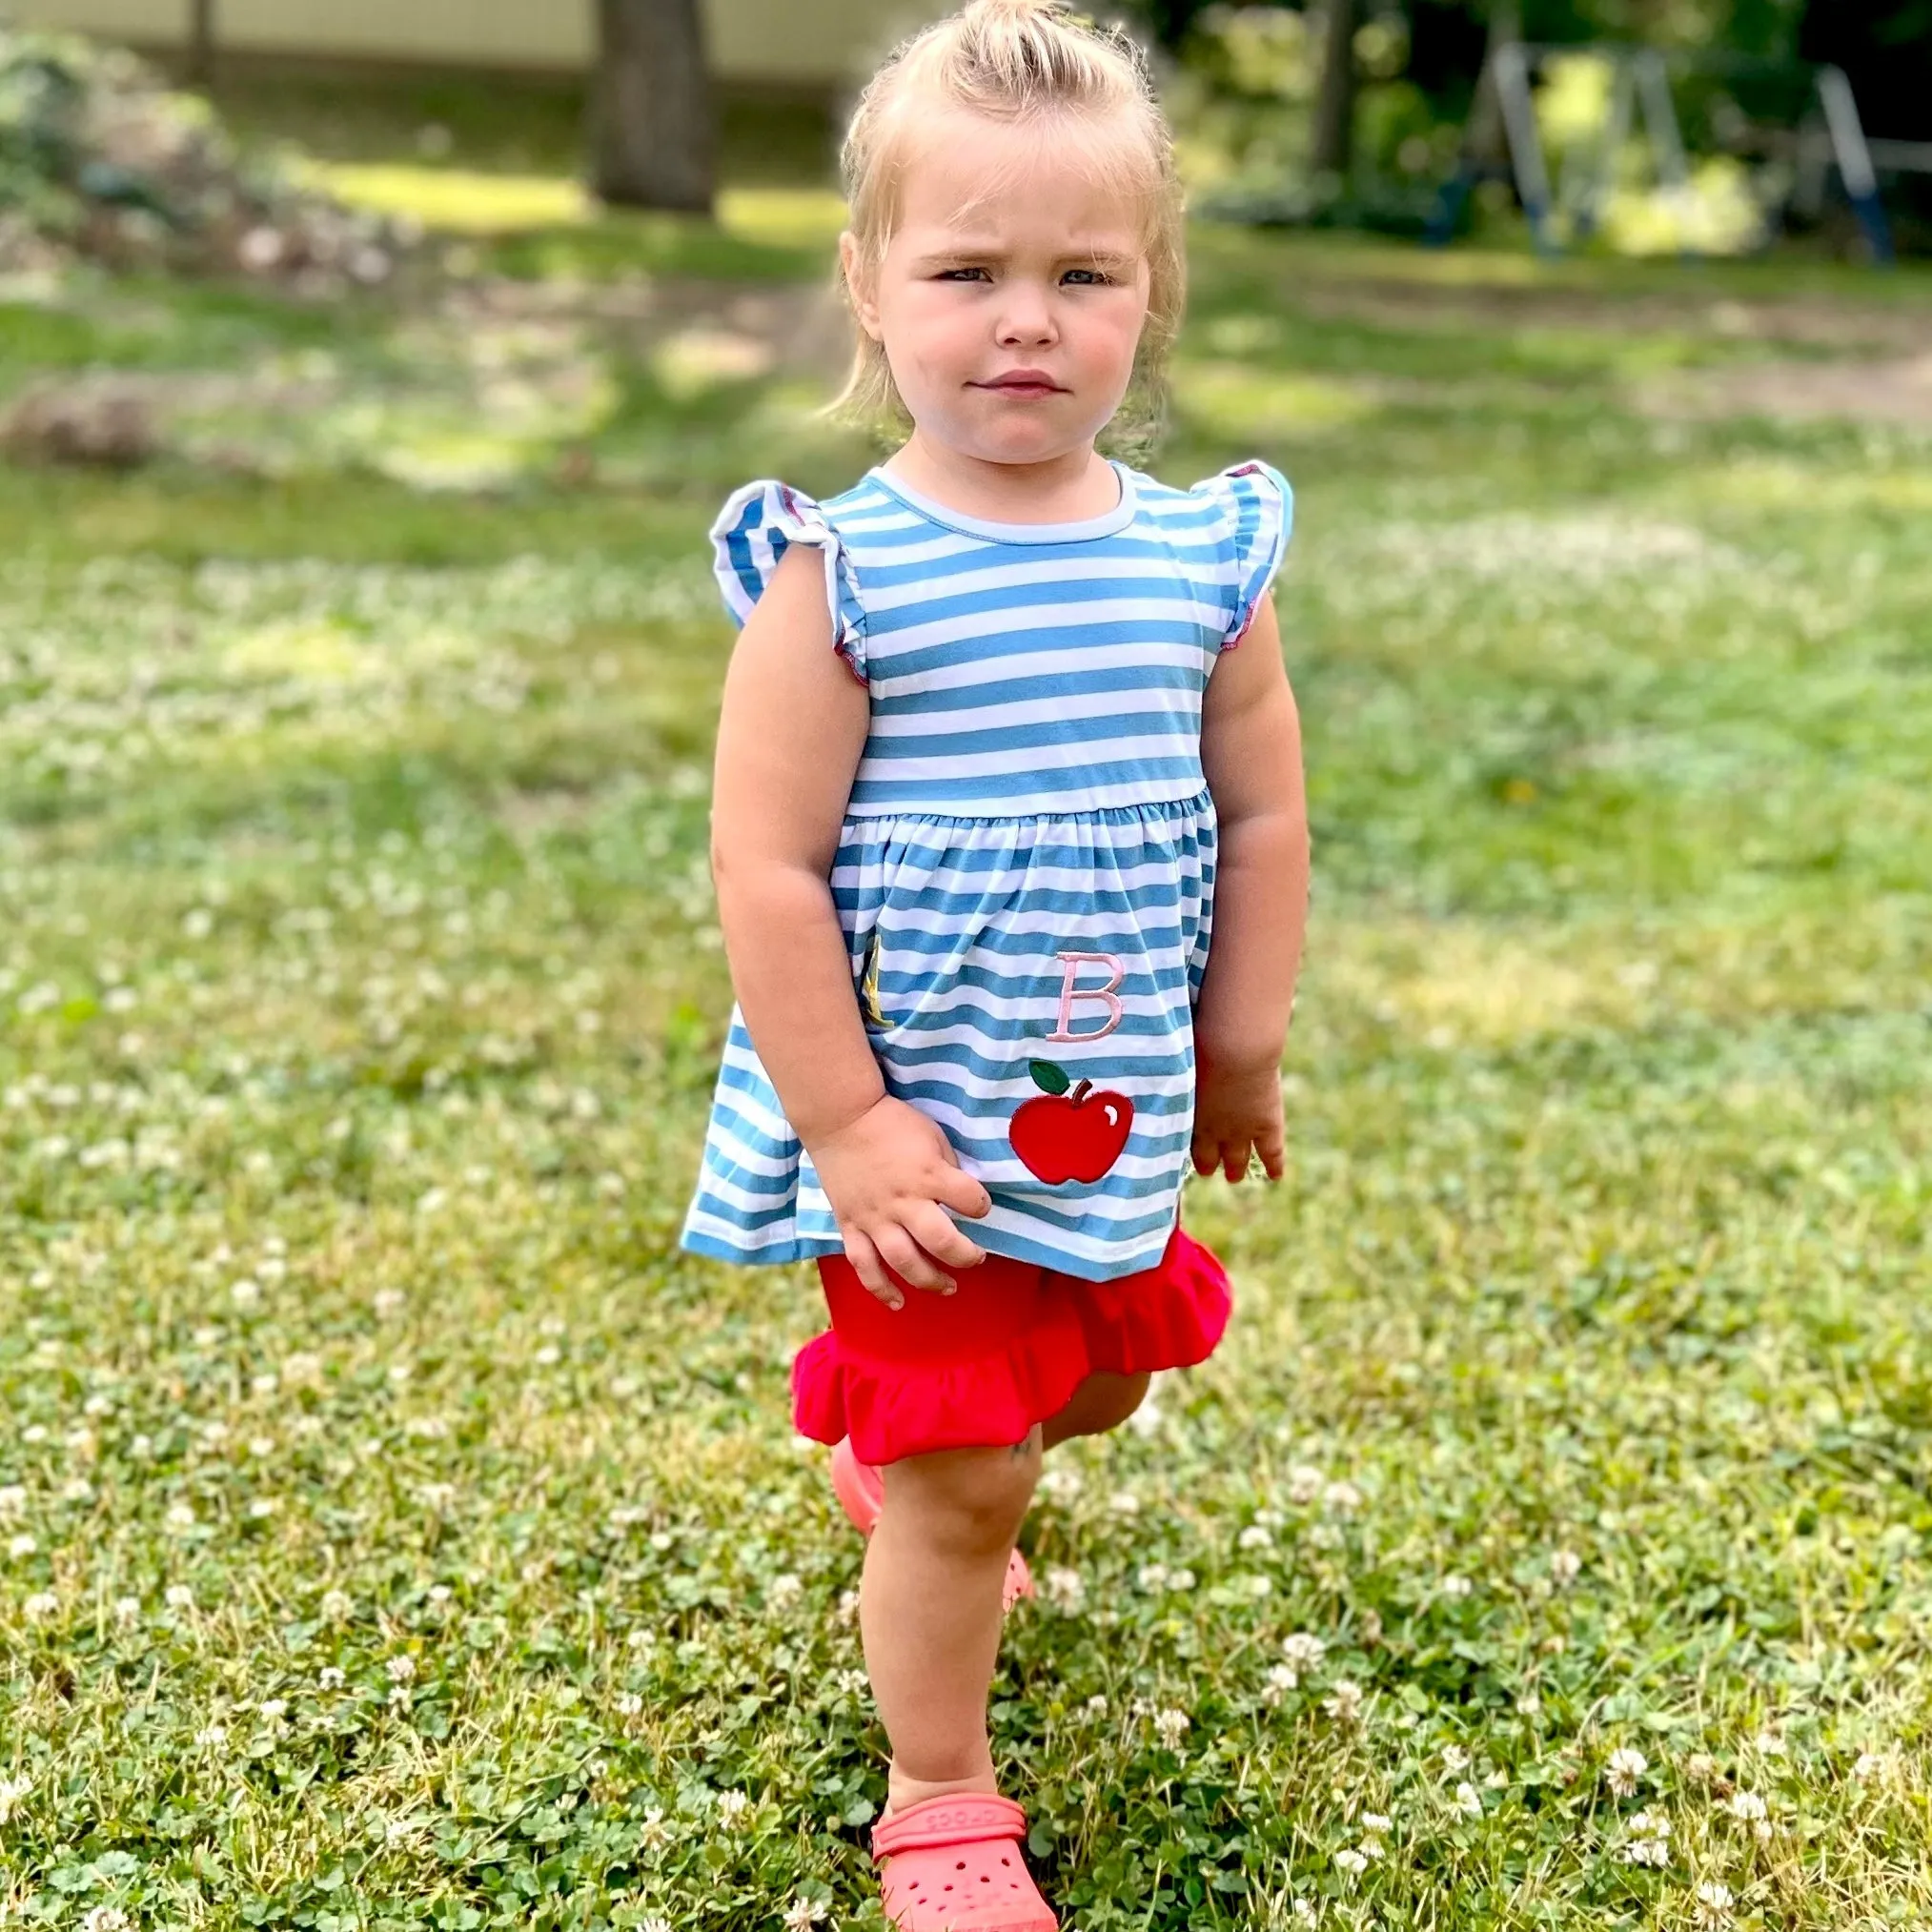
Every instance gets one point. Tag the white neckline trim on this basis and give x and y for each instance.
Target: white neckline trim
(1106, 525)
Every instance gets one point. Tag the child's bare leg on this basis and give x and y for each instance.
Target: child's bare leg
(930, 1610)
(1100, 1403)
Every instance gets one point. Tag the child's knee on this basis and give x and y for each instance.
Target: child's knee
(973, 1499)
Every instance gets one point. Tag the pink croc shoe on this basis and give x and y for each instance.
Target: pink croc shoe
(953, 1864)
(861, 1491)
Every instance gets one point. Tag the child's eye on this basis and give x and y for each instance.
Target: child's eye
(1088, 278)
(962, 274)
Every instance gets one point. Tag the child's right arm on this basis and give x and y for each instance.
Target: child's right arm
(790, 737)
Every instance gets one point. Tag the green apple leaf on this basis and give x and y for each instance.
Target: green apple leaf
(1047, 1077)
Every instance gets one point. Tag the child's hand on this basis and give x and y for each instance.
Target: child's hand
(890, 1176)
(1237, 1112)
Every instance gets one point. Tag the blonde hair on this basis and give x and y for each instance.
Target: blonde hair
(1019, 62)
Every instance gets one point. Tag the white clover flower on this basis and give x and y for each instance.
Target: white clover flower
(1305, 1911)
(263, 1507)
(1350, 1860)
(331, 1677)
(12, 1498)
(1342, 1499)
(336, 1606)
(1375, 1822)
(1623, 1770)
(1455, 1758)
(127, 1609)
(641, 1640)
(401, 1698)
(1303, 1650)
(1096, 1707)
(1303, 1485)
(1279, 1680)
(211, 1736)
(732, 1807)
(1714, 1902)
(402, 1669)
(1870, 1763)
(41, 1605)
(272, 1710)
(22, 1545)
(1468, 1800)
(1700, 1768)
(1064, 1590)
(1181, 1580)
(846, 1608)
(784, 1590)
(105, 1919)
(802, 1914)
(1565, 1567)
(1152, 1577)
(1122, 1502)
(245, 1292)
(178, 1597)
(851, 1682)
(655, 1922)
(1170, 1726)
(1747, 1807)
(629, 1704)
(1456, 1587)
(1344, 1704)
(12, 1791)
(1651, 1825)
(178, 1520)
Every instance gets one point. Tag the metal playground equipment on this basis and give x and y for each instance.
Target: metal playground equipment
(1831, 135)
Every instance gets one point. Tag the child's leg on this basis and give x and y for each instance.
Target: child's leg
(930, 1610)
(1102, 1402)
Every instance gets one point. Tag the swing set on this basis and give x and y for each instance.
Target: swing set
(1829, 135)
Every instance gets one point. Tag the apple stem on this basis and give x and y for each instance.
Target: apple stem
(1080, 1092)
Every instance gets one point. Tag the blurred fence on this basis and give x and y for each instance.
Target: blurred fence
(803, 43)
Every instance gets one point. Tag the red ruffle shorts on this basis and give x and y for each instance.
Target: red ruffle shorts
(978, 1368)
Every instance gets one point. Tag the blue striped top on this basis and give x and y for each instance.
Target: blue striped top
(1025, 875)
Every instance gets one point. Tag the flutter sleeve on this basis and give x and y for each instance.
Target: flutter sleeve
(756, 527)
(1259, 508)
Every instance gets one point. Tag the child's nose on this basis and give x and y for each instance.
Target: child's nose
(1027, 317)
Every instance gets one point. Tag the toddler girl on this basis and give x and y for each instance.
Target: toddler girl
(989, 770)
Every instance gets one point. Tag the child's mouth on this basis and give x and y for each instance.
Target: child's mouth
(1023, 382)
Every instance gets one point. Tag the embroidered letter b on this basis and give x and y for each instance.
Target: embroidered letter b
(1071, 990)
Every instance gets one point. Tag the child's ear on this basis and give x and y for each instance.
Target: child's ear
(859, 284)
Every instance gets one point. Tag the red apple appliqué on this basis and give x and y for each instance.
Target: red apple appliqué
(1070, 1136)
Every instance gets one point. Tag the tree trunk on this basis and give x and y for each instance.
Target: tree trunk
(652, 140)
(1333, 147)
(202, 41)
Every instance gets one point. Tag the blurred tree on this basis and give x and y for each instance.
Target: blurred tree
(1332, 143)
(652, 131)
(202, 41)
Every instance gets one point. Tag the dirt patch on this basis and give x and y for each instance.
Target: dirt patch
(1895, 392)
(1796, 321)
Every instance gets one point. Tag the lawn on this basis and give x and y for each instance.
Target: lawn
(395, 1531)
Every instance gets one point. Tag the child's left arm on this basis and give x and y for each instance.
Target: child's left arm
(1251, 746)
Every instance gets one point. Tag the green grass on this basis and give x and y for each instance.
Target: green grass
(399, 1531)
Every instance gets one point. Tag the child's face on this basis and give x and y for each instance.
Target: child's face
(1010, 298)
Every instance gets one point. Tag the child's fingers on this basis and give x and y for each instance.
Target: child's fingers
(1272, 1147)
(1206, 1155)
(935, 1232)
(871, 1270)
(958, 1190)
(910, 1262)
(1234, 1158)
